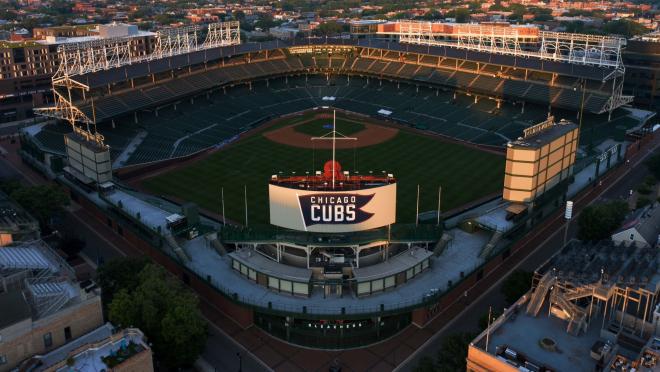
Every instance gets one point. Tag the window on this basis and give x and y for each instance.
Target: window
(632, 236)
(48, 340)
(67, 333)
(3, 359)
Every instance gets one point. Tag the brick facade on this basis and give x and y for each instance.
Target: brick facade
(25, 339)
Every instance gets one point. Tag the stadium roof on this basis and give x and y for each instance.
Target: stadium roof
(545, 136)
(102, 78)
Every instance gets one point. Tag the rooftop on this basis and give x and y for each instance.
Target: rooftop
(606, 264)
(13, 218)
(44, 280)
(646, 221)
(393, 265)
(99, 350)
(323, 180)
(62, 352)
(545, 133)
(106, 354)
(651, 36)
(268, 266)
(18, 44)
(523, 333)
(81, 39)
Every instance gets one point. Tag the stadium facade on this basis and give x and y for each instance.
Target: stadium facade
(331, 271)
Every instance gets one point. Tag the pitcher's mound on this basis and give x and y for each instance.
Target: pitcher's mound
(372, 134)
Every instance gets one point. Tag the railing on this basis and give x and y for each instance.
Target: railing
(538, 297)
(398, 233)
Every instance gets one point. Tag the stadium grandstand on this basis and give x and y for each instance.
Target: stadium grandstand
(372, 263)
(434, 77)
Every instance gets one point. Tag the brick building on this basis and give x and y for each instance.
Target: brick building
(104, 348)
(43, 306)
(26, 67)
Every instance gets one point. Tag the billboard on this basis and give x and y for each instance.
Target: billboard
(332, 211)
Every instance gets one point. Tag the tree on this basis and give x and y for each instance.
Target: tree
(122, 311)
(432, 15)
(625, 28)
(118, 274)
(328, 29)
(597, 222)
(653, 165)
(453, 352)
(516, 285)
(461, 15)
(239, 15)
(166, 312)
(183, 331)
(10, 185)
(43, 202)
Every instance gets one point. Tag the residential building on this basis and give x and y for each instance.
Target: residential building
(641, 228)
(104, 348)
(594, 307)
(43, 305)
(642, 60)
(26, 67)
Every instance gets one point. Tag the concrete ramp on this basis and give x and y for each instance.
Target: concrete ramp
(442, 244)
(178, 250)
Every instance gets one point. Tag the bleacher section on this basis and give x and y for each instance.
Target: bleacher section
(184, 110)
(490, 81)
(106, 107)
(467, 76)
(218, 117)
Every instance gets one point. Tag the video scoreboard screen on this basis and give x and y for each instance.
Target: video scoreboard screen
(332, 211)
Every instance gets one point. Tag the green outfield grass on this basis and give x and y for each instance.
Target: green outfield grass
(464, 173)
(317, 127)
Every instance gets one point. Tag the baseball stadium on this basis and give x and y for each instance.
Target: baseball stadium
(333, 192)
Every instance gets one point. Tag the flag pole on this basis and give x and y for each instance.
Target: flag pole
(222, 197)
(417, 209)
(334, 137)
(439, 198)
(246, 211)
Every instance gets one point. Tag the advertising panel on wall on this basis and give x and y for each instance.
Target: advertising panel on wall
(332, 211)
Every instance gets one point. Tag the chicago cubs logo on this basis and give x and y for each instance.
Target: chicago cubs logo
(330, 209)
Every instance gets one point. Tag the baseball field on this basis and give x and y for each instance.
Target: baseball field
(465, 173)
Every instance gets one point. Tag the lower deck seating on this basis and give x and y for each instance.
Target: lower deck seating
(220, 116)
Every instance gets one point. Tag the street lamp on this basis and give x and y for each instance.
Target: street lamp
(568, 215)
(240, 361)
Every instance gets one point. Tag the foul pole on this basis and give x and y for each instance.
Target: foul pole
(334, 139)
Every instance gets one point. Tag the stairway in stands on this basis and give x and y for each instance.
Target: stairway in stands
(538, 297)
(577, 317)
